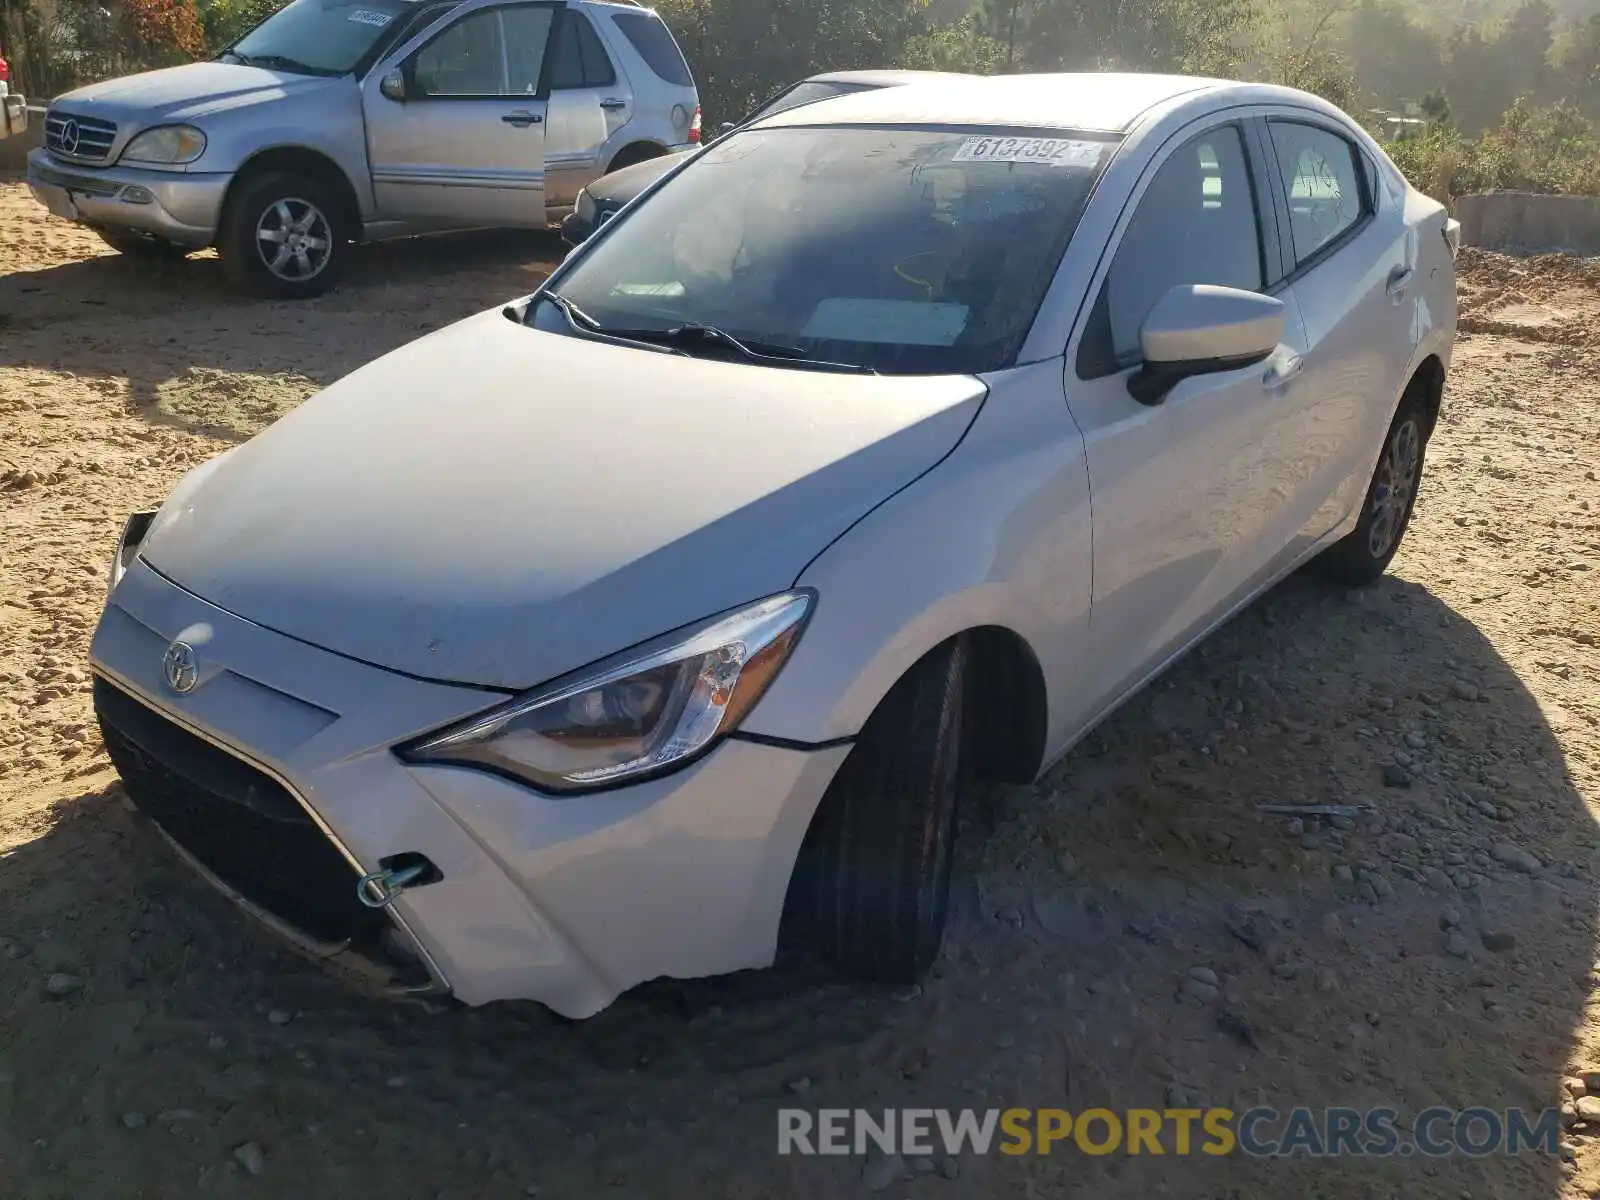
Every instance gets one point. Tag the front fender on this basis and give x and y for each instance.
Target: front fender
(998, 534)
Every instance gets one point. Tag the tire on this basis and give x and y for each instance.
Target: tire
(1365, 554)
(141, 246)
(875, 868)
(632, 156)
(284, 236)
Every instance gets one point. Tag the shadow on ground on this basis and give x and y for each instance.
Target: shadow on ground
(156, 325)
(1085, 904)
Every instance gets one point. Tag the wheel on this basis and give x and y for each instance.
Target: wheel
(284, 236)
(632, 156)
(875, 868)
(142, 246)
(1365, 554)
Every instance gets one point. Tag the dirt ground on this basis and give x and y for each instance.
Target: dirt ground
(1441, 950)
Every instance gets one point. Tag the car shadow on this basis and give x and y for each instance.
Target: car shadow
(1130, 933)
(180, 326)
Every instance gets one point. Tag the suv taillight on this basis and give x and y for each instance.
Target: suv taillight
(694, 127)
(5, 71)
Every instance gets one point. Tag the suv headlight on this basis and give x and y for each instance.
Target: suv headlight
(169, 144)
(647, 711)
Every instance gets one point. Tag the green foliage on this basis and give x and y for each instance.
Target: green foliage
(226, 21)
(1552, 148)
(963, 46)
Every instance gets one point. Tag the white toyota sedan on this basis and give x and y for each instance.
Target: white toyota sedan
(893, 442)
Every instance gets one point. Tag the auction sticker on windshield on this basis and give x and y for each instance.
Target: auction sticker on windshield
(1054, 152)
(365, 16)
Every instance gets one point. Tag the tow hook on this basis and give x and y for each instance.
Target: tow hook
(383, 887)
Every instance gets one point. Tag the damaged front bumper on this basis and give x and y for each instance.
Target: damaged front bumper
(269, 762)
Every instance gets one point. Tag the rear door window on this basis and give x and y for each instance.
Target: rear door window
(655, 44)
(580, 60)
(1326, 189)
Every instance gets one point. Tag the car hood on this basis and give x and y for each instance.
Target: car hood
(498, 506)
(192, 91)
(620, 187)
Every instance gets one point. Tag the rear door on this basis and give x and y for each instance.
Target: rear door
(466, 145)
(1184, 493)
(589, 103)
(1352, 265)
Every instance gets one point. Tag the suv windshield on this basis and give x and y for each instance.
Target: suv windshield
(318, 37)
(905, 251)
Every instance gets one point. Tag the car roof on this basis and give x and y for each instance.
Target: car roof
(884, 79)
(1098, 101)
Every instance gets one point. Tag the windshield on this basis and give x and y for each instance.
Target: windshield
(905, 251)
(808, 92)
(319, 37)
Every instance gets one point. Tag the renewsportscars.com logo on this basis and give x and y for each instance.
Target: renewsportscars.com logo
(1258, 1132)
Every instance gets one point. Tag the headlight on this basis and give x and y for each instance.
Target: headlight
(584, 206)
(134, 531)
(649, 710)
(166, 144)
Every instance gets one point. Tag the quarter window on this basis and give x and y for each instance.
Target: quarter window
(580, 60)
(656, 46)
(1319, 173)
(1196, 223)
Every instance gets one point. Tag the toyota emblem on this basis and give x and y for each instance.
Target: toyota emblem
(181, 668)
(69, 137)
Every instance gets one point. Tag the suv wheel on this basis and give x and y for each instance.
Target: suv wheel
(284, 236)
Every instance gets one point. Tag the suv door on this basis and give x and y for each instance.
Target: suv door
(1351, 264)
(466, 144)
(589, 102)
(1184, 493)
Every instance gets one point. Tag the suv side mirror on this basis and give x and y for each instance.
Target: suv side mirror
(393, 86)
(1203, 329)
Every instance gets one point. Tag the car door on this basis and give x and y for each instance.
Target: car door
(1183, 492)
(589, 103)
(465, 145)
(1352, 263)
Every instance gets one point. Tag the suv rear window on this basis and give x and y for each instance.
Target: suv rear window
(655, 44)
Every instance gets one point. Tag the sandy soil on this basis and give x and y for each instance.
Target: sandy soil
(1415, 958)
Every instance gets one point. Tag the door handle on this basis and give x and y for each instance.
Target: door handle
(522, 118)
(613, 104)
(1399, 280)
(1284, 371)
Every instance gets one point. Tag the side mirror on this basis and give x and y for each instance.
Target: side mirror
(1202, 329)
(727, 127)
(393, 86)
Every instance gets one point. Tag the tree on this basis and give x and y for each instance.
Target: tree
(962, 46)
(165, 29)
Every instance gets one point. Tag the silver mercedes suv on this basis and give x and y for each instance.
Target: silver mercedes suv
(357, 120)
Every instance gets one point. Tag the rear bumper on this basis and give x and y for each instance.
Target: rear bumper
(567, 902)
(184, 208)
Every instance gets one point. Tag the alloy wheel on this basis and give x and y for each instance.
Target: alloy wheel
(1395, 487)
(294, 239)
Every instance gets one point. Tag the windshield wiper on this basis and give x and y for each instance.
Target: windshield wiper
(681, 337)
(281, 62)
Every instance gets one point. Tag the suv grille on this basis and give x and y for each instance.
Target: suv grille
(87, 139)
(243, 825)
